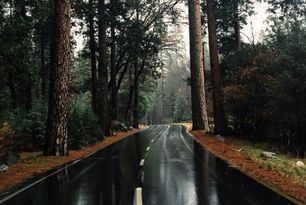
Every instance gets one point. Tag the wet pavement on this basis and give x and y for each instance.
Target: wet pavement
(177, 171)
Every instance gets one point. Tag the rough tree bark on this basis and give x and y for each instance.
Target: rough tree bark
(57, 135)
(219, 120)
(199, 111)
(93, 61)
(103, 110)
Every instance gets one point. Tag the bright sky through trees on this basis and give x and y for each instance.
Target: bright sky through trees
(256, 26)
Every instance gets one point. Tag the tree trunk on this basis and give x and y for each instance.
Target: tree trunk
(301, 143)
(43, 73)
(131, 91)
(50, 136)
(219, 120)
(199, 110)
(121, 76)
(134, 90)
(103, 70)
(136, 106)
(136, 98)
(56, 144)
(28, 96)
(93, 58)
(12, 87)
(237, 26)
(113, 80)
(136, 77)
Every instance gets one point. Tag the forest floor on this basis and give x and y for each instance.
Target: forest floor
(280, 174)
(33, 163)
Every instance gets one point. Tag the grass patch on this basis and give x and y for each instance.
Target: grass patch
(35, 163)
(30, 155)
(34, 159)
(283, 164)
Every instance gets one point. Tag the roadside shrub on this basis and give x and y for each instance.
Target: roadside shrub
(29, 128)
(288, 93)
(245, 94)
(5, 136)
(83, 125)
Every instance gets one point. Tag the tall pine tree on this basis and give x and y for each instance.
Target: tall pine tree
(57, 134)
(199, 110)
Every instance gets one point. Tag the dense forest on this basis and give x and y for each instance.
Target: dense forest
(56, 96)
(50, 91)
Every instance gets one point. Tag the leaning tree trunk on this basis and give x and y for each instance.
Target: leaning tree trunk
(103, 71)
(92, 45)
(57, 133)
(199, 110)
(219, 120)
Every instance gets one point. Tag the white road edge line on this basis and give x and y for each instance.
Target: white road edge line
(138, 196)
(142, 163)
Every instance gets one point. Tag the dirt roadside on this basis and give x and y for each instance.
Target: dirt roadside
(27, 167)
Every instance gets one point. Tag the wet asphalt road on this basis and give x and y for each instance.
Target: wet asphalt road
(177, 171)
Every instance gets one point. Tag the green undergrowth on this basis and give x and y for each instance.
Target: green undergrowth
(283, 164)
(33, 159)
(30, 155)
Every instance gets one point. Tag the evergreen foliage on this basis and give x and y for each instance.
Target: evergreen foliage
(263, 84)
